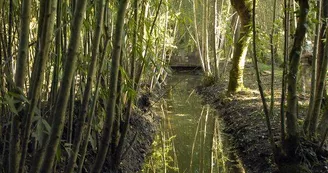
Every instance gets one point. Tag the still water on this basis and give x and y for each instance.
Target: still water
(190, 138)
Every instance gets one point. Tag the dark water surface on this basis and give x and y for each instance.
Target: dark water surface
(190, 139)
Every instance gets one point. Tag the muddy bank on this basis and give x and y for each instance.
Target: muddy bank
(145, 127)
(139, 139)
(241, 115)
(244, 119)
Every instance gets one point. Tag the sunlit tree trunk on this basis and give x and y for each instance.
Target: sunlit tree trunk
(221, 12)
(198, 45)
(205, 41)
(239, 56)
(214, 43)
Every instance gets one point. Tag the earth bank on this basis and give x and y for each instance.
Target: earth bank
(244, 120)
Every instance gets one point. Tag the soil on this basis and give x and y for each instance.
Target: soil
(244, 120)
(143, 126)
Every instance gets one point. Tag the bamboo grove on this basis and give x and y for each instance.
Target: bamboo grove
(61, 56)
(71, 71)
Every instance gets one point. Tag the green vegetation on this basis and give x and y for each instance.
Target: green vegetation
(73, 73)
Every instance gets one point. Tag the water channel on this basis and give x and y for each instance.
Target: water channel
(190, 138)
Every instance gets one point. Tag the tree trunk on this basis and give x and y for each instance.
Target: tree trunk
(314, 69)
(126, 124)
(197, 37)
(205, 33)
(116, 132)
(235, 34)
(59, 52)
(285, 70)
(108, 124)
(214, 43)
(61, 103)
(239, 57)
(20, 80)
(88, 88)
(259, 82)
(292, 141)
(273, 31)
(93, 108)
(321, 82)
(44, 40)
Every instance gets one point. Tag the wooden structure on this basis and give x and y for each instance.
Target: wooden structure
(187, 61)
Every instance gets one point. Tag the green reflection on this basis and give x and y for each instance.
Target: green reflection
(189, 139)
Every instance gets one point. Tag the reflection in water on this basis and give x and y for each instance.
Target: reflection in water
(189, 139)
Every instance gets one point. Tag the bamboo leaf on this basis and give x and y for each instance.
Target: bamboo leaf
(93, 142)
(11, 104)
(38, 134)
(46, 125)
(36, 118)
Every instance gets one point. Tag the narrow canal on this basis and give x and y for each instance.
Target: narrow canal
(189, 139)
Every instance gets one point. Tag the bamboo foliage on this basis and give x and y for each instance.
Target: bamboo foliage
(120, 145)
(116, 56)
(39, 66)
(48, 62)
(60, 107)
(71, 72)
(88, 87)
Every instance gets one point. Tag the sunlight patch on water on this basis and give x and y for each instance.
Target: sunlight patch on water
(182, 115)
